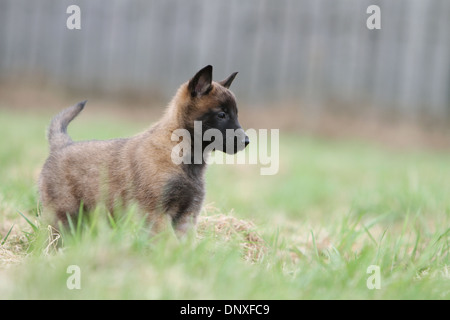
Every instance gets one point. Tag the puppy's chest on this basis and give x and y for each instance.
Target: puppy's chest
(182, 194)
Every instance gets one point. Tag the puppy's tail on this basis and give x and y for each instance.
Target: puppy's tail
(57, 131)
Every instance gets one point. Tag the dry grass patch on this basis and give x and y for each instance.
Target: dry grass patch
(226, 227)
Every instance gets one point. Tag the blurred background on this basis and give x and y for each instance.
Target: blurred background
(315, 58)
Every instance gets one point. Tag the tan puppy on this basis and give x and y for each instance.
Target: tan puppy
(140, 169)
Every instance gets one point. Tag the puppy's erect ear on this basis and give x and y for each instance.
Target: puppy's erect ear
(227, 82)
(200, 84)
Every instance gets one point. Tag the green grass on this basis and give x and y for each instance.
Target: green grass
(334, 209)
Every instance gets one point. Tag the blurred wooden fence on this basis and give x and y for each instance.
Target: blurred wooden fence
(314, 52)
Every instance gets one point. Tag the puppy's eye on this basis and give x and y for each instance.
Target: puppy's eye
(222, 115)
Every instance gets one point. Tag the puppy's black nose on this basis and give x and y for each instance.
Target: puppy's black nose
(247, 140)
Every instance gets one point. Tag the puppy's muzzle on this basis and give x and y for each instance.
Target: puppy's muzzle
(246, 141)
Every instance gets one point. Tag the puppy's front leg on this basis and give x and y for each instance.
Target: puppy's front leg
(183, 224)
(158, 223)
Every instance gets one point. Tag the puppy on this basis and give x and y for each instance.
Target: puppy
(141, 169)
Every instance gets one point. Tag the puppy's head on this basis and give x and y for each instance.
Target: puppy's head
(214, 105)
